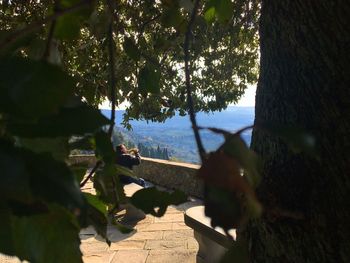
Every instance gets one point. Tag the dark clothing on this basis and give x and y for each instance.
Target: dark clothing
(128, 161)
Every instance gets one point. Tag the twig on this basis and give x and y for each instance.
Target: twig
(46, 54)
(97, 165)
(9, 40)
(113, 94)
(188, 82)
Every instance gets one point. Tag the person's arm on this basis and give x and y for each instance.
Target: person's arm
(136, 160)
(131, 160)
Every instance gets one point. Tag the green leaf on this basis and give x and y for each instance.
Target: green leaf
(27, 176)
(57, 147)
(104, 148)
(171, 17)
(124, 170)
(30, 236)
(38, 89)
(67, 122)
(151, 199)
(68, 25)
(223, 10)
(131, 49)
(53, 181)
(149, 78)
(96, 203)
(98, 220)
(14, 175)
(107, 185)
(79, 172)
(209, 14)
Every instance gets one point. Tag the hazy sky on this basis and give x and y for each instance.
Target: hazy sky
(247, 100)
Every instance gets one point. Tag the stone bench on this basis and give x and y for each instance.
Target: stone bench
(213, 243)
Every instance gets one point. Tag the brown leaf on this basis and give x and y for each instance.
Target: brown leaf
(222, 170)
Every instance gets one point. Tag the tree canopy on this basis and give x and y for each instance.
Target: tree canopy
(148, 39)
(60, 59)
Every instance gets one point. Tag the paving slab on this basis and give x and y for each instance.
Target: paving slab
(154, 240)
(131, 256)
(100, 257)
(172, 256)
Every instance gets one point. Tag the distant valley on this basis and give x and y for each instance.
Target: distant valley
(176, 134)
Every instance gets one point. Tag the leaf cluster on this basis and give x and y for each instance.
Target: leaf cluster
(54, 74)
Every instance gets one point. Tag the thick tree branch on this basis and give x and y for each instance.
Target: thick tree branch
(191, 111)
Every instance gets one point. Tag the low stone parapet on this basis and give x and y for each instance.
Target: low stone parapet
(171, 175)
(84, 159)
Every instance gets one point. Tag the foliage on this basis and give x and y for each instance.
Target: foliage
(53, 74)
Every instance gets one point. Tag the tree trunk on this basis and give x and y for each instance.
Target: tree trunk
(305, 82)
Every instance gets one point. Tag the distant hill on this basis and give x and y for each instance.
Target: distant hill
(177, 136)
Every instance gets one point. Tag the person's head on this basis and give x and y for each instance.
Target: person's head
(121, 149)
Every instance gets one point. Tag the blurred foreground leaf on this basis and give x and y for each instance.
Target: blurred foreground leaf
(34, 238)
(27, 176)
(108, 186)
(97, 215)
(148, 80)
(38, 89)
(230, 199)
(68, 25)
(68, 121)
(155, 202)
(131, 49)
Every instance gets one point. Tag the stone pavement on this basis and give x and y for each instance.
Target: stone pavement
(154, 240)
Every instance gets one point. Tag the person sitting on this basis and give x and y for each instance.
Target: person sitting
(124, 158)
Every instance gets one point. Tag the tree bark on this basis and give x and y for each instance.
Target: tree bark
(305, 82)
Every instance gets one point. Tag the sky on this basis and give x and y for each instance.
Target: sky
(248, 100)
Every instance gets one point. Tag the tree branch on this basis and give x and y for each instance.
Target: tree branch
(112, 95)
(9, 40)
(112, 76)
(192, 114)
(97, 165)
(46, 54)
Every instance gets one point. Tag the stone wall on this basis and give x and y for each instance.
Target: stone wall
(172, 175)
(88, 160)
